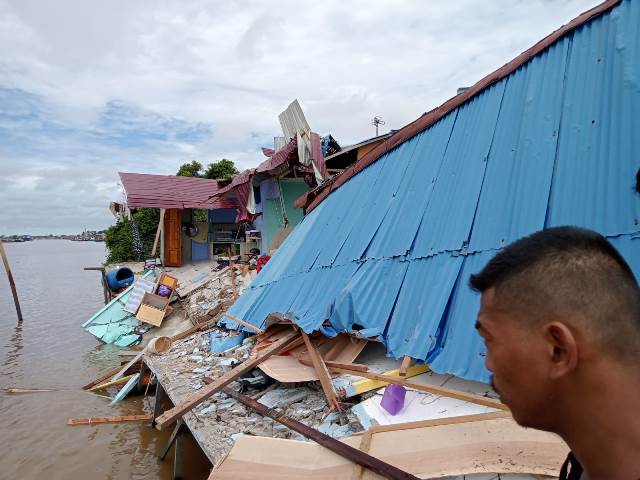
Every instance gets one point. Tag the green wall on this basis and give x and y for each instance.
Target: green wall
(272, 210)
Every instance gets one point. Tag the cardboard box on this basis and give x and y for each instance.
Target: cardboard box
(168, 280)
(152, 309)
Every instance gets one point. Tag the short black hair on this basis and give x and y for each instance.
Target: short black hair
(572, 273)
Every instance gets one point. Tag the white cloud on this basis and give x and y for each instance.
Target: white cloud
(96, 87)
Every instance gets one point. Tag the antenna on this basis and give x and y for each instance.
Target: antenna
(377, 121)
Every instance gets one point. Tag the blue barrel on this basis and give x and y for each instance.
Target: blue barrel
(120, 278)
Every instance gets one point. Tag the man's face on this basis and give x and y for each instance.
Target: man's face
(515, 356)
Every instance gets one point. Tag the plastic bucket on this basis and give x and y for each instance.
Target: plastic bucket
(159, 345)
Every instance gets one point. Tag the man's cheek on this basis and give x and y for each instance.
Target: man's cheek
(488, 360)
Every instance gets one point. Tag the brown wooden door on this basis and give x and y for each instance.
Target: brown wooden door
(173, 237)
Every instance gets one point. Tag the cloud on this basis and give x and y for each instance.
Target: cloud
(87, 89)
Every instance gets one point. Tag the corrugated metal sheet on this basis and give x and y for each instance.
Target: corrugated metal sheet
(389, 253)
(292, 120)
(170, 191)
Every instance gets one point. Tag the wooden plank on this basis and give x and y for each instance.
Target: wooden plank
(119, 381)
(352, 366)
(436, 422)
(366, 385)
(445, 392)
(322, 372)
(295, 344)
(102, 378)
(158, 230)
(406, 363)
(219, 383)
(243, 323)
(365, 445)
(374, 464)
(101, 420)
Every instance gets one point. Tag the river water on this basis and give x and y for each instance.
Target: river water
(51, 351)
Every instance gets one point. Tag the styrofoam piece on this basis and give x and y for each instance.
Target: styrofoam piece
(140, 287)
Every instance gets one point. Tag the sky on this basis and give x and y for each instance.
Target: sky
(91, 88)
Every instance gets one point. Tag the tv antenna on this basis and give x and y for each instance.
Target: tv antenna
(376, 122)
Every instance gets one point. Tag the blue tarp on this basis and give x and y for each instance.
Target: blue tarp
(388, 254)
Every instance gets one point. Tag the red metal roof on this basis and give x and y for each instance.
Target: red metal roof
(170, 191)
(311, 199)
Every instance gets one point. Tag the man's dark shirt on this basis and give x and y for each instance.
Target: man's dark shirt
(571, 469)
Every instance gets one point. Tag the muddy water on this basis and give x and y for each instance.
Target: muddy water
(51, 351)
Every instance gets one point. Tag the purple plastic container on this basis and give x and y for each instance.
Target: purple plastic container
(393, 398)
(164, 291)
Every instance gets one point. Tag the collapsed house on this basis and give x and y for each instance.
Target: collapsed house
(386, 248)
(266, 194)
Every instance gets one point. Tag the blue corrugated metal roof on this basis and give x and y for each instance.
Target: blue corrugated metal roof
(389, 253)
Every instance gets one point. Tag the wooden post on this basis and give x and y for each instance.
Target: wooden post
(158, 231)
(11, 282)
(157, 404)
(172, 439)
(443, 391)
(105, 287)
(177, 456)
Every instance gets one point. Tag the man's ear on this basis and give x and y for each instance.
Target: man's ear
(562, 349)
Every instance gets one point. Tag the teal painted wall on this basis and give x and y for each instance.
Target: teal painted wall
(272, 210)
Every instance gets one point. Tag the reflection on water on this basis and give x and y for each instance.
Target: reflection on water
(14, 346)
(49, 350)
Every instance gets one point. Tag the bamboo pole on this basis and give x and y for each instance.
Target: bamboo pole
(11, 282)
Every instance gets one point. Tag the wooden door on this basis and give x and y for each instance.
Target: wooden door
(173, 237)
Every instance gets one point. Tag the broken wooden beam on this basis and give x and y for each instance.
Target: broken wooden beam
(353, 454)
(219, 383)
(107, 375)
(445, 392)
(406, 363)
(437, 422)
(243, 323)
(322, 372)
(112, 383)
(331, 364)
(100, 420)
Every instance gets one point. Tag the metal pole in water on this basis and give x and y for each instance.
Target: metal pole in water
(11, 282)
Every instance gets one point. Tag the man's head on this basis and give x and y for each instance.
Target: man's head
(557, 307)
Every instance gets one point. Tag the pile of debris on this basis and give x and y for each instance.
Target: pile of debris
(239, 392)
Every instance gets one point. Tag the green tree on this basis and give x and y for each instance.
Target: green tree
(224, 169)
(118, 237)
(193, 169)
